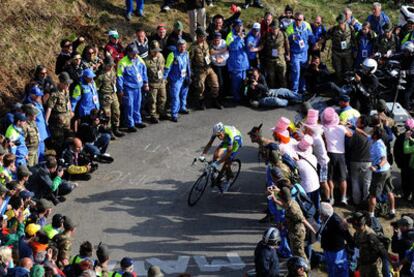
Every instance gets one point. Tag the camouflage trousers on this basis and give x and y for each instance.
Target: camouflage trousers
(157, 99)
(342, 62)
(110, 106)
(33, 156)
(203, 78)
(275, 71)
(372, 270)
(59, 124)
(297, 242)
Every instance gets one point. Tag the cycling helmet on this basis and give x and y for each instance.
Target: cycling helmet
(294, 263)
(369, 66)
(408, 47)
(218, 128)
(271, 236)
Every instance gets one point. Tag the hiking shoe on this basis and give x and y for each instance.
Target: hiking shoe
(174, 119)
(131, 130)
(117, 132)
(140, 125)
(153, 120)
(391, 216)
(165, 117)
(184, 112)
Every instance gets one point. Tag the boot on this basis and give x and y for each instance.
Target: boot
(112, 135)
(217, 104)
(201, 105)
(117, 132)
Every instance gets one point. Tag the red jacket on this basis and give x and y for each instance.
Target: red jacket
(116, 51)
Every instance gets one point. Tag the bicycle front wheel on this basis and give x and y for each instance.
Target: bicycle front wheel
(235, 170)
(197, 190)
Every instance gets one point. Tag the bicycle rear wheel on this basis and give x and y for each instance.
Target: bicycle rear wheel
(235, 169)
(197, 189)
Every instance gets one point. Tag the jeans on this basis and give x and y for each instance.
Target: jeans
(279, 98)
(298, 64)
(130, 6)
(99, 146)
(361, 180)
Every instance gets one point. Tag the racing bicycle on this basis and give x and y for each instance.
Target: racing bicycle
(211, 176)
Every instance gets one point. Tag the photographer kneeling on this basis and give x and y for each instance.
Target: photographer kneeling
(46, 181)
(96, 136)
(259, 94)
(78, 164)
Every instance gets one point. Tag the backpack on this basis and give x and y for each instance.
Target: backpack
(305, 204)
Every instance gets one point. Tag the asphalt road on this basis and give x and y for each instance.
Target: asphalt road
(138, 204)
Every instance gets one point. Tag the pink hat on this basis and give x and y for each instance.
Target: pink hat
(312, 117)
(410, 123)
(305, 145)
(329, 117)
(282, 126)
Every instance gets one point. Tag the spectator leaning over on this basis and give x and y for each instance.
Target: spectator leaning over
(114, 46)
(313, 129)
(275, 51)
(359, 147)
(141, 43)
(378, 18)
(196, 14)
(158, 93)
(132, 79)
(130, 8)
(15, 133)
(334, 237)
(238, 62)
(219, 57)
(203, 74)
(300, 37)
(381, 174)
(177, 71)
(335, 143)
(351, 20)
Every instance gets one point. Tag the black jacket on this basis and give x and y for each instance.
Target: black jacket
(41, 181)
(334, 235)
(194, 4)
(260, 91)
(266, 261)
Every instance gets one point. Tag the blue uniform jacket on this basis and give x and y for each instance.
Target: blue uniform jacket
(300, 37)
(238, 60)
(177, 66)
(85, 98)
(252, 41)
(131, 73)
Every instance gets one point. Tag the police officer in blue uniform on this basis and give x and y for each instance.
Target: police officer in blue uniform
(85, 96)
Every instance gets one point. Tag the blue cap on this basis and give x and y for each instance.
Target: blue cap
(25, 194)
(126, 262)
(238, 22)
(88, 73)
(20, 117)
(132, 49)
(36, 91)
(344, 98)
(217, 35)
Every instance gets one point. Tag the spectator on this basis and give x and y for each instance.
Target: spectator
(67, 49)
(32, 137)
(64, 242)
(85, 95)
(221, 25)
(260, 95)
(402, 240)
(365, 40)
(75, 69)
(78, 164)
(360, 162)
(408, 148)
(132, 79)
(335, 143)
(378, 18)
(286, 18)
(347, 114)
(130, 8)
(204, 76)
(46, 182)
(351, 20)
(177, 70)
(297, 267)
(388, 43)
(154, 271)
(176, 35)
(252, 42)
(160, 36)
(141, 43)
(275, 52)
(90, 58)
(256, 4)
(114, 46)
(8, 168)
(238, 62)
(43, 81)
(265, 24)
(334, 236)
(219, 57)
(158, 93)
(300, 37)
(319, 31)
(196, 14)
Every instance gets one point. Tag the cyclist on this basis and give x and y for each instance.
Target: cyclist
(225, 153)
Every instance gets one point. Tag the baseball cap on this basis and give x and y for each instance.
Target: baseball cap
(26, 194)
(68, 223)
(161, 26)
(113, 33)
(217, 35)
(178, 25)
(132, 49)
(23, 171)
(201, 32)
(256, 26)
(126, 262)
(406, 221)
(88, 73)
(238, 22)
(155, 46)
(36, 91)
(32, 229)
(20, 117)
(340, 18)
(65, 78)
(344, 98)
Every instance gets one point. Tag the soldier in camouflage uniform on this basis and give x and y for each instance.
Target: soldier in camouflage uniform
(59, 109)
(203, 72)
(106, 85)
(343, 41)
(64, 242)
(387, 43)
(32, 136)
(158, 93)
(275, 49)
